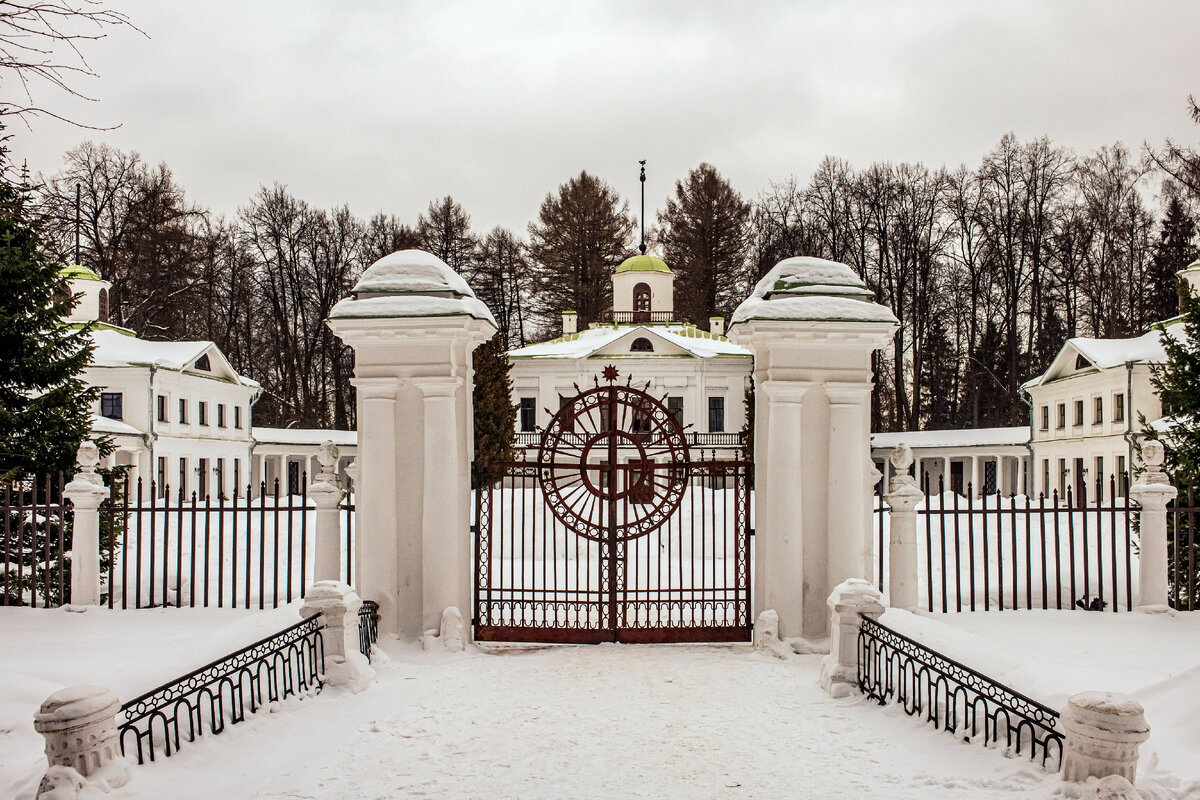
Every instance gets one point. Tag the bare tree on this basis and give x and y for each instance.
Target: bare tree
(40, 44)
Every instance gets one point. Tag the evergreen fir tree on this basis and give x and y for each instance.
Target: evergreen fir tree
(44, 405)
(495, 414)
(1174, 250)
(1178, 385)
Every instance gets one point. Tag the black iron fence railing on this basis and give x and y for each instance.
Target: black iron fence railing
(224, 692)
(1183, 578)
(242, 551)
(1057, 551)
(954, 697)
(368, 627)
(35, 570)
(532, 439)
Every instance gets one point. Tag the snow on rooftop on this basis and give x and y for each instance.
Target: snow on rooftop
(978, 437)
(412, 305)
(580, 345)
(308, 436)
(809, 289)
(114, 349)
(1107, 353)
(105, 425)
(411, 272)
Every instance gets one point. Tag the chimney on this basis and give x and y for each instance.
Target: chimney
(570, 322)
(716, 326)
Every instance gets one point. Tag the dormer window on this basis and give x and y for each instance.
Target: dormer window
(102, 306)
(641, 297)
(202, 363)
(641, 345)
(1081, 362)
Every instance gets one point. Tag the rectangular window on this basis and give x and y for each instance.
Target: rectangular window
(202, 477)
(1119, 407)
(675, 406)
(202, 412)
(1099, 479)
(162, 408)
(1062, 415)
(237, 475)
(1098, 411)
(1078, 412)
(568, 418)
(1045, 476)
(528, 414)
(716, 415)
(183, 478)
(1045, 418)
(161, 488)
(220, 415)
(182, 411)
(220, 477)
(110, 405)
(237, 417)
(1122, 478)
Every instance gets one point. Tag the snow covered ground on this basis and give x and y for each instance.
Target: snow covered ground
(602, 721)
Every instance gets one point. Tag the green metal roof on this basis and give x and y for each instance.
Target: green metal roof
(79, 272)
(643, 264)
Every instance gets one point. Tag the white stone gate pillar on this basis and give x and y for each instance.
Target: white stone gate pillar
(414, 324)
(812, 326)
(1152, 491)
(86, 492)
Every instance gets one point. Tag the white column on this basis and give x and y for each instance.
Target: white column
(917, 472)
(1020, 487)
(445, 543)
(327, 495)
(1152, 492)
(847, 601)
(79, 724)
(976, 489)
(849, 445)
(779, 550)
(946, 473)
(902, 500)
(338, 605)
(1103, 733)
(86, 491)
(379, 570)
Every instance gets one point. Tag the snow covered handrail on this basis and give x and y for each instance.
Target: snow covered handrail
(953, 696)
(272, 669)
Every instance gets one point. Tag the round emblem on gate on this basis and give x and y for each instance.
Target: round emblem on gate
(613, 462)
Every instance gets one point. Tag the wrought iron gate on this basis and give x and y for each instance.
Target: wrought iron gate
(613, 531)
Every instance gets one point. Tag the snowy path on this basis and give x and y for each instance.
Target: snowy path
(610, 721)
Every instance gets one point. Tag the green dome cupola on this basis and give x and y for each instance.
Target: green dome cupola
(643, 263)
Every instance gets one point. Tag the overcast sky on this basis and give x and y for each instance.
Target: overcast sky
(387, 105)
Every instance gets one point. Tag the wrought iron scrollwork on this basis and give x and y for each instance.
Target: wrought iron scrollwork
(282, 665)
(368, 627)
(954, 697)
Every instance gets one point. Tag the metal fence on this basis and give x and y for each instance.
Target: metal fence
(37, 534)
(237, 552)
(1183, 580)
(368, 627)
(223, 692)
(954, 697)
(980, 553)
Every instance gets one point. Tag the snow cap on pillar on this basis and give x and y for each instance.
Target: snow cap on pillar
(411, 283)
(806, 289)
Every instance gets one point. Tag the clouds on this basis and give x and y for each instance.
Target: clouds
(387, 105)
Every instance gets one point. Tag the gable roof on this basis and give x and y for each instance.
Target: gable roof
(672, 340)
(115, 349)
(1103, 354)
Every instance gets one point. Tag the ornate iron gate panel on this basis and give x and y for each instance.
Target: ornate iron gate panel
(613, 532)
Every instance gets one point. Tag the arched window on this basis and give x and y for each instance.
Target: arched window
(103, 306)
(203, 363)
(641, 345)
(641, 297)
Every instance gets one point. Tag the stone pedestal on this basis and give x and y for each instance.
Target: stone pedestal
(902, 502)
(327, 495)
(812, 326)
(86, 492)
(338, 606)
(839, 670)
(1152, 492)
(79, 725)
(414, 325)
(1103, 733)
